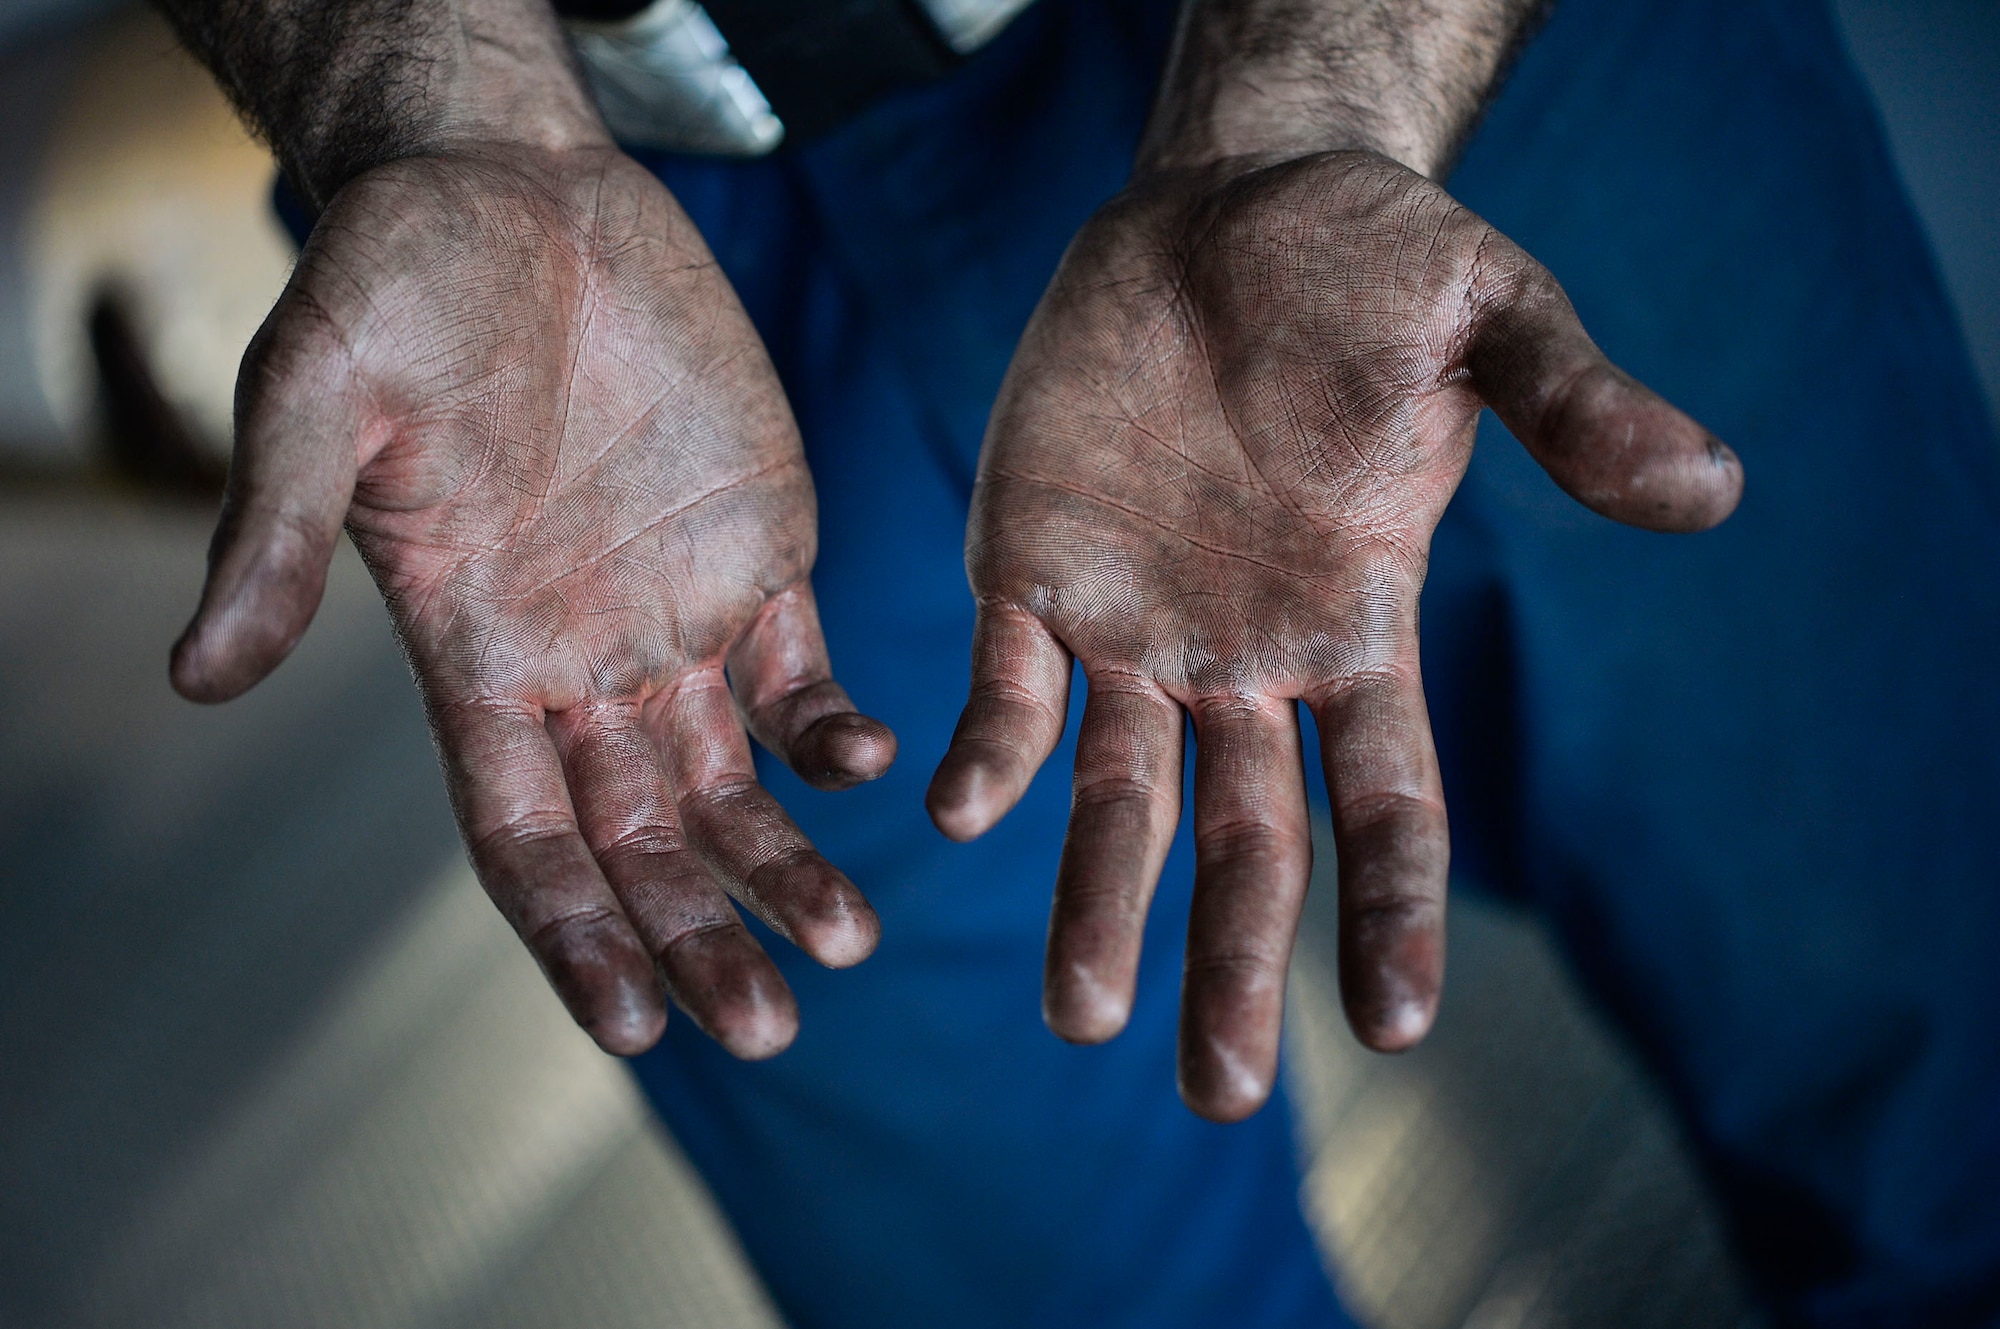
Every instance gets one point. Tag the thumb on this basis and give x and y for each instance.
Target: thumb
(1613, 444)
(291, 480)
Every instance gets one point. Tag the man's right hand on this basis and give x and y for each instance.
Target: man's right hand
(517, 376)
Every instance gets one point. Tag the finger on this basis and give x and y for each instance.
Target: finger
(1126, 803)
(507, 786)
(767, 862)
(1609, 441)
(1393, 849)
(1253, 859)
(713, 968)
(785, 686)
(1012, 721)
(290, 483)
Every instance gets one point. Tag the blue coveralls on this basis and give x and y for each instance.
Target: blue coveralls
(1750, 777)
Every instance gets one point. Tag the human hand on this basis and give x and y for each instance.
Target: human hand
(520, 380)
(1212, 477)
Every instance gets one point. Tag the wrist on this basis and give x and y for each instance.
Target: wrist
(497, 76)
(1245, 87)
(1289, 78)
(1186, 187)
(1248, 123)
(337, 89)
(1234, 118)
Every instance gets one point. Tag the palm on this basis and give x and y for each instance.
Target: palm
(1212, 477)
(587, 484)
(576, 481)
(1265, 459)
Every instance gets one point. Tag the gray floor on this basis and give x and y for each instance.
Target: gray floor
(270, 1058)
(1516, 1171)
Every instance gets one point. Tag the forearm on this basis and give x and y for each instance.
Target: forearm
(337, 86)
(1281, 78)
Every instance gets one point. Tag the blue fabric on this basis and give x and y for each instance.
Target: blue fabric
(927, 1153)
(1749, 776)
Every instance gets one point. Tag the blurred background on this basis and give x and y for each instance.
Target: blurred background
(268, 1058)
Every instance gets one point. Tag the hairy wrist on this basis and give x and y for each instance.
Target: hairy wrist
(339, 86)
(1274, 79)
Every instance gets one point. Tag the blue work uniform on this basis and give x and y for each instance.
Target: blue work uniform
(1749, 777)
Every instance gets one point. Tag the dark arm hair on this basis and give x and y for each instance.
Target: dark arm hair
(1406, 78)
(337, 86)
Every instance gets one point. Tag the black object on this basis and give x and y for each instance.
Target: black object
(602, 11)
(820, 61)
(147, 439)
(817, 62)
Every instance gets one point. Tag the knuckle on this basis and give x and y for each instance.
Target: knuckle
(1123, 683)
(734, 797)
(570, 929)
(1007, 694)
(1392, 809)
(1401, 829)
(1243, 969)
(1085, 896)
(522, 835)
(693, 934)
(796, 705)
(1392, 913)
(1114, 791)
(803, 880)
(1385, 681)
(642, 842)
(989, 759)
(1233, 710)
(1242, 839)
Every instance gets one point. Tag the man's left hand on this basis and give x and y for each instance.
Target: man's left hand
(1212, 477)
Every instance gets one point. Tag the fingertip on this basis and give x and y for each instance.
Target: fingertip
(1221, 1087)
(764, 1043)
(605, 979)
(1398, 1028)
(1628, 454)
(191, 671)
(1231, 1021)
(846, 941)
(726, 983)
(843, 750)
(261, 595)
(1691, 482)
(837, 927)
(1391, 974)
(209, 664)
(971, 791)
(1013, 719)
(957, 822)
(1080, 1008)
(761, 1024)
(629, 1021)
(1722, 478)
